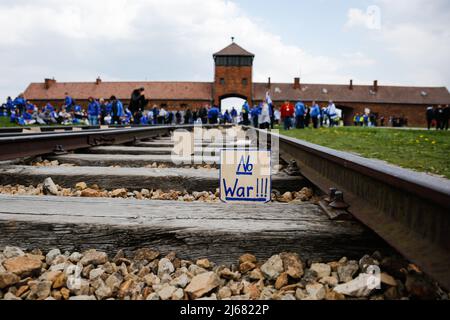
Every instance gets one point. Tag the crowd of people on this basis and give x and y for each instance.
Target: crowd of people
(265, 115)
(302, 116)
(438, 117)
(99, 111)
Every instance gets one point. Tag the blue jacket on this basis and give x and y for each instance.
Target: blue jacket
(68, 102)
(49, 108)
(234, 113)
(300, 109)
(120, 111)
(94, 109)
(246, 107)
(227, 117)
(256, 111)
(19, 102)
(9, 104)
(315, 111)
(214, 112)
(144, 120)
(77, 109)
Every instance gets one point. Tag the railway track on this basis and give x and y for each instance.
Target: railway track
(388, 209)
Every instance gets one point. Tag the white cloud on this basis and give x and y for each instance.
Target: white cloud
(141, 39)
(370, 19)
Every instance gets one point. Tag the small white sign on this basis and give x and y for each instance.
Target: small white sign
(245, 176)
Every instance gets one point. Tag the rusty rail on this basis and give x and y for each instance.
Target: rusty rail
(409, 210)
(30, 145)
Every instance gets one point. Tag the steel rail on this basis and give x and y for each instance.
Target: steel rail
(409, 210)
(21, 146)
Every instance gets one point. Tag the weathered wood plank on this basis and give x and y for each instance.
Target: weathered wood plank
(133, 161)
(178, 179)
(170, 144)
(217, 231)
(150, 150)
(131, 150)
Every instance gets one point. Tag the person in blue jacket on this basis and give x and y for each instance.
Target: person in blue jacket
(93, 111)
(155, 115)
(9, 106)
(234, 115)
(49, 108)
(315, 115)
(227, 117)
(213, 115)
(77, 114)
(20, 103)
(128, 116)
(69, 103)
(144, 120)
(117, 111)
(256, 111)
(300, 112)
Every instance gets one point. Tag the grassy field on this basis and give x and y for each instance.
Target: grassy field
(5, 123)
(425, 151)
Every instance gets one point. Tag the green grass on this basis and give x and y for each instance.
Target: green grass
(5, 123)
(425, 151)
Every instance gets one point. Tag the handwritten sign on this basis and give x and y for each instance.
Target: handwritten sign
(245, 176)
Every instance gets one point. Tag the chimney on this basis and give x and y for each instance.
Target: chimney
(269, 83)
(98, 81)
(49, 83)
(375, 86)
(297, 84)
(351, 85)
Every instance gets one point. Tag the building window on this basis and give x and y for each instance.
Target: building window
(234, 61)
(222, 81)
(245, 82)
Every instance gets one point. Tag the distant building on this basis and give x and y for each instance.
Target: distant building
(234, 79)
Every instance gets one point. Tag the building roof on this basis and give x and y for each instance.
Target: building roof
(342, 93)
(234, 50)
(204, 91)
(122, 90)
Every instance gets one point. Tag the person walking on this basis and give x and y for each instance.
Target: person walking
(446, 117)
(287, 112)
(93, 111)
(315, 114)
(300, 112)
(430, 116)
(117, 111)
(439, 117)
(265, 118)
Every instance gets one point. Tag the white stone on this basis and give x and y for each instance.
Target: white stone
(50, 257)
(316, 291)
(83, 298)
(273, 267)
(166, 292)
(13, 252)
(322, 269)
(96, 273)
(75, 257)
(182, 281)
(165, 266)
(358, 288)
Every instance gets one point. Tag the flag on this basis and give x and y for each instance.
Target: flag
(268, 98)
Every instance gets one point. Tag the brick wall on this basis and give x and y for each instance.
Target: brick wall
(233, 82)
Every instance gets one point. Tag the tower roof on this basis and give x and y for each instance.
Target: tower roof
(234, 50)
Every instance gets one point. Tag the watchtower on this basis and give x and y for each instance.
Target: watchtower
(233, 74)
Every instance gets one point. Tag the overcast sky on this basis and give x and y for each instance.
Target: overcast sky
(403, 42)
